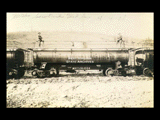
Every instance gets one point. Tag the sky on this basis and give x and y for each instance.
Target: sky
(136, 25)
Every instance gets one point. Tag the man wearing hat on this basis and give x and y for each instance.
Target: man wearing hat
(120, 39)
(40, 39)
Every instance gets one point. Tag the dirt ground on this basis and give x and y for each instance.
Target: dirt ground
(80, 91)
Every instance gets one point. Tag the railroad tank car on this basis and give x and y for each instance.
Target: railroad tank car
(48, 62)
(149, 62)
(145, 57)
(73, 59)
(111, 61)
(14, 63)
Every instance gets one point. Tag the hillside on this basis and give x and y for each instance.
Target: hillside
(57, 39)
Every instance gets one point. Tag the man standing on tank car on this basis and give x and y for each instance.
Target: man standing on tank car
(120, 40)
(40, 39)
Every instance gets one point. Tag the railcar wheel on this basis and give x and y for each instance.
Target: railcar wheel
(47, 73)
(108, 72)
(34, 73)
(147, 72)
(18, 73)
(139, 70)
(116, 72)
(52, 72)
(124, 73)
(7, 75)
(40, 75)
(21, 72)
(57, 71)
(14, 74)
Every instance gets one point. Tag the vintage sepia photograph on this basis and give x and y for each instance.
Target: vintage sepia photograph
(80, 60)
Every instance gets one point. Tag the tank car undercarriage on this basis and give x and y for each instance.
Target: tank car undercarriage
(115, 69)
(15, 72)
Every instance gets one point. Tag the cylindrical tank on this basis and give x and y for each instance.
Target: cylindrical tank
(149, 61)
(80, 55)
(149, 55)
(14, 56)
(145, 61)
